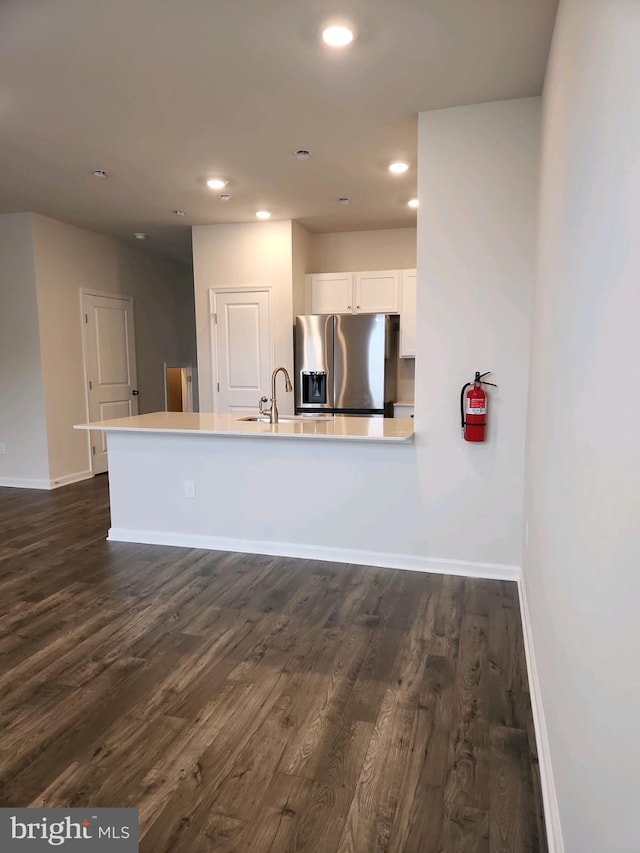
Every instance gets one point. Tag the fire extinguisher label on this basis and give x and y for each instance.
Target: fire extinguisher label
(476, 410)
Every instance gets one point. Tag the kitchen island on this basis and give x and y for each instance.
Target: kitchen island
(322, 487)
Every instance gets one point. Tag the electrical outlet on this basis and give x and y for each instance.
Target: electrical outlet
(3, 449)
(189, 489)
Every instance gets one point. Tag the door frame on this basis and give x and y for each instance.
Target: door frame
(89, 291)
(213, 332)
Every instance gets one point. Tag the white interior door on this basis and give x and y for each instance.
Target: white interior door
(241, 326)
(110, 363)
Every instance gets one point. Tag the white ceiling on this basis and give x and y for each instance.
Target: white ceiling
(165, 93)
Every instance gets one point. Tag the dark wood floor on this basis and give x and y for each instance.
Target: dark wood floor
(249, 703)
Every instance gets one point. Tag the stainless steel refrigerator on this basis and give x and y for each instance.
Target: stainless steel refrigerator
(346, 364)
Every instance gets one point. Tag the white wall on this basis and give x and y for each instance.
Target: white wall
(22, 414)
(582, 497)
(66, 259)
(243, 255)
(350, 251)
(352, 498)
(301, 264)
(478, 174)
(179, 278)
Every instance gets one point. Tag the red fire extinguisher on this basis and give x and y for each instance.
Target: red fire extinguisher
(473, 408)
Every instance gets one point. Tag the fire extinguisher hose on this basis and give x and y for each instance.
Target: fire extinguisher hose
(464, 388)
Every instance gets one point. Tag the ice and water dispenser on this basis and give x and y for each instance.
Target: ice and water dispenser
(314, 387)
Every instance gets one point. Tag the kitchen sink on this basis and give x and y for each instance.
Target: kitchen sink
(288, 419)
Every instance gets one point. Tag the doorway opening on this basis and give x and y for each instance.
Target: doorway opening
(178, 387)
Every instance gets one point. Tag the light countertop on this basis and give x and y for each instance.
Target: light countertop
(203, 423)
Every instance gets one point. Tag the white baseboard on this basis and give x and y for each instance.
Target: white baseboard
(492, 571)
(549, 797)
(26, 483)
(71, 478)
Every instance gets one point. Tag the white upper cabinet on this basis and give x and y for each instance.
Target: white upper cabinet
(377, 292)
(330, 293)
(354, 293)
(408, 314)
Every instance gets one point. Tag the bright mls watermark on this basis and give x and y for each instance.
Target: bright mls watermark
(73, 830)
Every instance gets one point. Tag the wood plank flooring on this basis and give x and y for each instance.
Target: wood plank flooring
(251, 703)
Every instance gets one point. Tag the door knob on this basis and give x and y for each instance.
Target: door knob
(135, 392)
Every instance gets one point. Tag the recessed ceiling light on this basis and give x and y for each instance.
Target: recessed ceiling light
(337, 36)
(224, 197)
(303, 154)
(413, 202)
(180, 212)
(140, 236)
(398, 168)
(216, 183)
(263, 214)
(343, 200)
(99, 173)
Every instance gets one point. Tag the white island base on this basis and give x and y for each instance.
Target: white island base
(344, 490)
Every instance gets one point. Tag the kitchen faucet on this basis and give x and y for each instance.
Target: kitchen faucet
(273, 411)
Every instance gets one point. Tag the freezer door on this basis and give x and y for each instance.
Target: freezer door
(313, 362)
(359, 351)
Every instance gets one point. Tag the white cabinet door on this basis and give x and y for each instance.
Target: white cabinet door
(331, 293)
(377, 292)
(241, 322)
(408, 314)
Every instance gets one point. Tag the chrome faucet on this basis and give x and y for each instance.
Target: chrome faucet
(273, 411)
